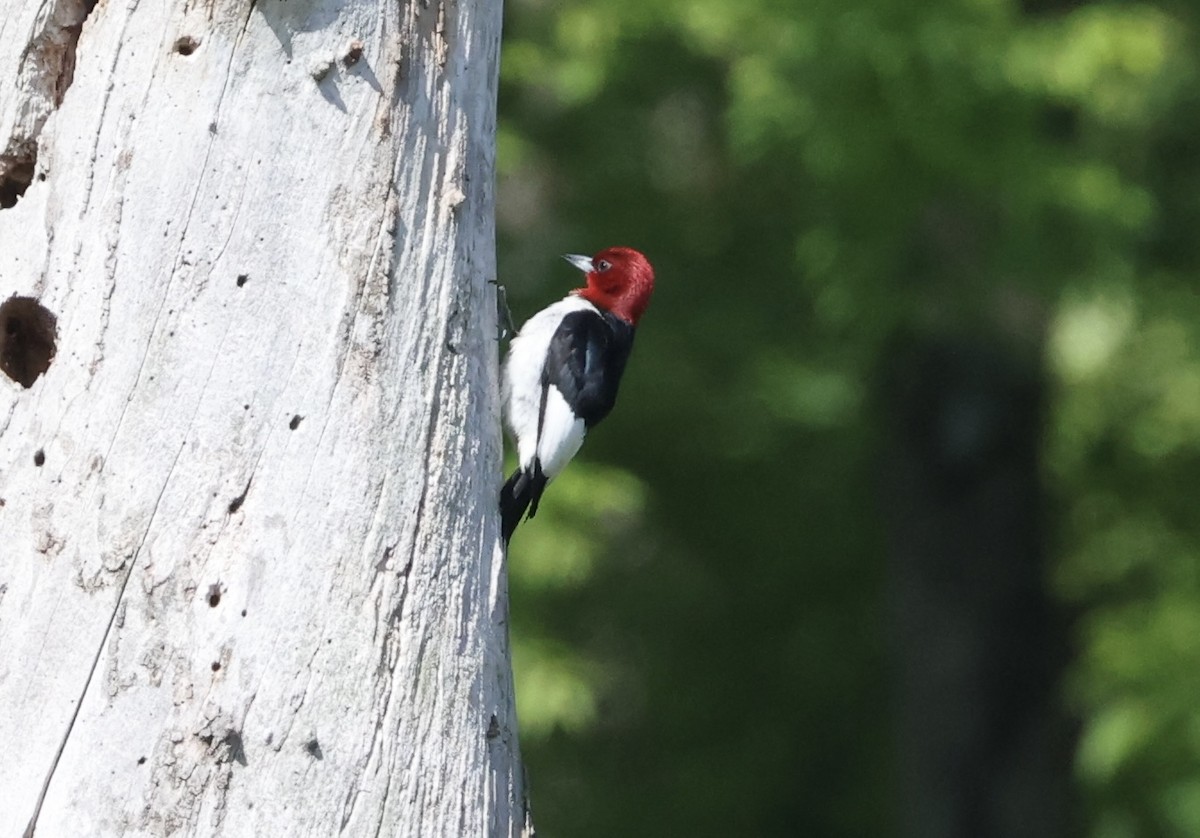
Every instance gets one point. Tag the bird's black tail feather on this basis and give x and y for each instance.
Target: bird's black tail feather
(521, 492)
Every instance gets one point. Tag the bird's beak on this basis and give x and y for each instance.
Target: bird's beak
(584, 263)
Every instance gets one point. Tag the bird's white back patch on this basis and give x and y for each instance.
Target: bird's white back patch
(562, 434)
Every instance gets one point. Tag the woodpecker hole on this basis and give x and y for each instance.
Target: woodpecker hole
(27, 333)
(243, 612)
(216, 666)
(214, 595)
(314, 749)
(242, 278)
(295, 423)
(16, 173)
(353, 54)
(141, 760)
(186, 45)
(39, 458)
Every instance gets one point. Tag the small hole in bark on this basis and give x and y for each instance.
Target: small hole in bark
(141, 760)
(216, 666)
(214, 595)
(39, 458)
(236, 503)
(16, 173)
(186, 45)
(242, 279)
(314, 749)
(354, 53)
(295, 423)
(27, 343)
(236, 750)
(243, 612)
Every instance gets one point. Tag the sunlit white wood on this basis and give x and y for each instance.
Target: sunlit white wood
(255, 586)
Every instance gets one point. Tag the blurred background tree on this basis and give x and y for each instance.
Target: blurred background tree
(895, 530)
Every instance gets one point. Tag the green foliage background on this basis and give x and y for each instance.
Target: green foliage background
(698, 608)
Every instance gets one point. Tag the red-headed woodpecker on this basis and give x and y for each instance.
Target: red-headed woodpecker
(563, 370)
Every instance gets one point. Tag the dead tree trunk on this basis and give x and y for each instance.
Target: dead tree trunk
(250, 574)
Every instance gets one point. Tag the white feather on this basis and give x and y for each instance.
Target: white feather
(562, 432)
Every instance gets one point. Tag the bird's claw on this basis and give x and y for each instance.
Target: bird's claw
(504, 321)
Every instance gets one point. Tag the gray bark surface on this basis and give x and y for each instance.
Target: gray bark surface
(251, 580)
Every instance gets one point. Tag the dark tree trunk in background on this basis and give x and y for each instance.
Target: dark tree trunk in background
(983, 746)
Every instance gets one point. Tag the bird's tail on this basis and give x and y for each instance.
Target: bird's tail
(521, 492)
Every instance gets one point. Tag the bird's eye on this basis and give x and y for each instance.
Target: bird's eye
(603, 264)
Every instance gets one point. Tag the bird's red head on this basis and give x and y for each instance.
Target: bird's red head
(619, 279)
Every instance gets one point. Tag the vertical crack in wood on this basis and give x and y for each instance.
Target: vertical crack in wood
(100, 647)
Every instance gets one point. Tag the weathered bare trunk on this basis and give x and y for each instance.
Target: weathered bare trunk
(250, 576)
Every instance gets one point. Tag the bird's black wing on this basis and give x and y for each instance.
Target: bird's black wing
(586, 359)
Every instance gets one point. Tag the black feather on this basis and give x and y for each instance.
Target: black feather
(585, 361)
(521, 492)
